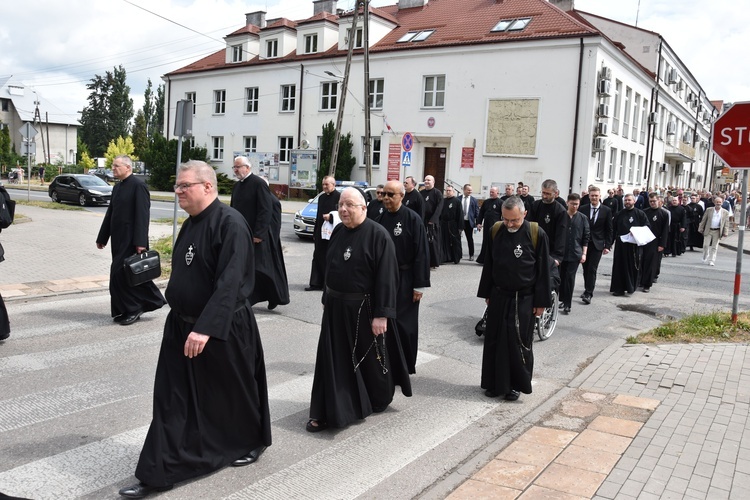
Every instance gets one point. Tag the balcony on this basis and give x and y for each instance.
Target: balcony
(675, 149)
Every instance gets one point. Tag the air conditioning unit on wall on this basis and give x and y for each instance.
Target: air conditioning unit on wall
(664, 167)
(600, 144)
(653, 118)
(603, 111)
(604, 88)
(601, 129)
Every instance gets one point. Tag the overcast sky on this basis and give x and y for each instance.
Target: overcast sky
(57, 47)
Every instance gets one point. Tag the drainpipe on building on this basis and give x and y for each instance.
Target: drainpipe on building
(301, 93)
(575, 120)
(654, 102)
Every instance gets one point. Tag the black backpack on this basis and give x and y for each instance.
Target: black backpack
(7, 209)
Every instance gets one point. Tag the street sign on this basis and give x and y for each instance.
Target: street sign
(406, 159)
(407, 142)
(28, 148)
(731, 136)
(27, 131)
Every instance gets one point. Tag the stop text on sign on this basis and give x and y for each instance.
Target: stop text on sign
(736, 138)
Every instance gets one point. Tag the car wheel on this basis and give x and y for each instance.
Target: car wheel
(54, 197)
(82, 200)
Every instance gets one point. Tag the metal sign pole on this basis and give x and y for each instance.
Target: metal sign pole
(740, 241)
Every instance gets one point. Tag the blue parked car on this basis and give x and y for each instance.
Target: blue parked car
(304, 220)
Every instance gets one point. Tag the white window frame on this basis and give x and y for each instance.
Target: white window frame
(623, 166)
(376, 156)
(220, 101)
(191, 141)
(376, 94)
(217, 148)
(288, 97)
(191, 96)
(431, 89)
(329, 92)
(311, 43)
(600, 159)
(237, 53)
(358, 41)
(250, 144)
(644, 121)
(626, 113)
(616, 110)
(612, 164)
(272, 48)
(636, 114)
(631, 170)
(251, 99)
(286, 144)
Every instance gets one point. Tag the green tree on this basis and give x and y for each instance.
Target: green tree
(120, 146)
(148, 109)
(120, 103)
(81, 147)
(161, 160)
(346, 160)
(157, 123)
(108, 112)
(141, 140)
(86, 161)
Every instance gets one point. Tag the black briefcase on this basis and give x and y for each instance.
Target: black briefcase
(142, 267)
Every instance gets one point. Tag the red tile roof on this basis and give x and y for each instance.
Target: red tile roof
(320, 16)
(456, 22)
(245, 29)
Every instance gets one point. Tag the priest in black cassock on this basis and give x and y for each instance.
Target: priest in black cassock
(451, 223)
(210, 393)
(658, 221)
(376, 207)
(410, 240)
(516, 286)
(252, 197)
(327, 202)
(694, 215)
(677, 226)
(433, 207)
(553, 218)
(360, 359)
(627, 256)
(489, 213)
(412, 198)
(126, 222)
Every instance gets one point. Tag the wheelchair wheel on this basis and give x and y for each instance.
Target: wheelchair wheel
(545, 324)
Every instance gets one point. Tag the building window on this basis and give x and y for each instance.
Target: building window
(626, 114)
(220, 101)
(190, 96)
(251, 100)
(621, 171)
(511, 25)
(612, 164)
(415, 36)
(375, 151)
(638, 170)
(288, 93)
(358, 44)
(217, 152)
(377, 89)
(191, 142)
(600, 165)
(250, 144)
(285, 149)
(636, 113)
(616, 110)
(644, 121)
(272, 48)
(311, 44)
(328, 94)
(236, 53)
(631, 170)
(662, 123)
(434, 92)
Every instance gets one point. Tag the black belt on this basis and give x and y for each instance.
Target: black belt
(404, 267)
(510, 293)
(346, 295)
(193, 320)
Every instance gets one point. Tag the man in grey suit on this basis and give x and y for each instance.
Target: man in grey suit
(713, 226)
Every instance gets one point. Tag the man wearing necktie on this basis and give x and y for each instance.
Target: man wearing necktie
(600, 223)
(471, 214)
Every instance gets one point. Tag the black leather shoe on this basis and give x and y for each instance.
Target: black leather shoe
(118, 318)
(313, 288)
(271, 306)
(566, 310)
(250, 458)
(646, 289)
(130, 318)
(315, 425)
(512, 396)
(490, 393)
(471, 257)
(618, 294)
(141, 490)
(586, 298)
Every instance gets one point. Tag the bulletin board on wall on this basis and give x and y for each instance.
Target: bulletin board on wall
(512, 126)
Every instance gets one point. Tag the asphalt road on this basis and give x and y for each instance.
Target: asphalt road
(76, 388)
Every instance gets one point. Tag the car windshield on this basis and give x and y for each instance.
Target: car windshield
(91, 181)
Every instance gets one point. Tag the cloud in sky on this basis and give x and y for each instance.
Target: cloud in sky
(57, 47)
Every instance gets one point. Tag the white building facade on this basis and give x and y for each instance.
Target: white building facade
(492, 92)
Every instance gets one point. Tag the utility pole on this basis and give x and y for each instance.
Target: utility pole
(344, 87)
(368, 139)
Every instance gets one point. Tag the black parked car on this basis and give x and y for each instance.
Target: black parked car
(104, 174)
(83, 189)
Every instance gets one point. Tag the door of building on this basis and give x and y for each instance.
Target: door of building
(434, 165)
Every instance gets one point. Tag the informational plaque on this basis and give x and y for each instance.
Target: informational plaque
(512, 127)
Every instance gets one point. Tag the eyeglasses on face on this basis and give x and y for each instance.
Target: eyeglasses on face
(390, 194)
(185, 186)
(379, 193)
(349, 205)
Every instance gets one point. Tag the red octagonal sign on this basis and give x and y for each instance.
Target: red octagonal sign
(731, 136)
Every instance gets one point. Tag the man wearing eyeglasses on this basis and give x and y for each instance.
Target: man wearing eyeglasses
(410, 238)
(210, 405)
(126, 222)
(252, 197)
(327, 202)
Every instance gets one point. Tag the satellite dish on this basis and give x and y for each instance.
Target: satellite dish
(305, 144)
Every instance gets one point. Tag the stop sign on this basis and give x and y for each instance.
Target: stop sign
(731, 136)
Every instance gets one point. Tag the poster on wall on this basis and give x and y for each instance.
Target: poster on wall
(262, 164)
(304, 168)
(394, 161)
(467, 157)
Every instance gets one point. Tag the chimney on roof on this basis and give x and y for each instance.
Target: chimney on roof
(324, 6)
(564, 5)
(408, 4)
(257, 18)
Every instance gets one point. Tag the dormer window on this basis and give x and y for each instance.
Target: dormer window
(358, 44)
(415, 36)
(311, 44)
(511, 25)
(237, 53)
(272, 48)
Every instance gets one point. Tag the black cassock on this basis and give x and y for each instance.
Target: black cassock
(626, 259)
(414, 201)
(410, 241)
(212, 409)
(490, 212)
(4, 321)
(126, 223)
(553, 218)
(327, 203)
(694, 215)
(515, 277)
(675, 244)
(433, 207)
(658, 221)
(361, 284)
(374, 209)
(262, 210)
(451, 224)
